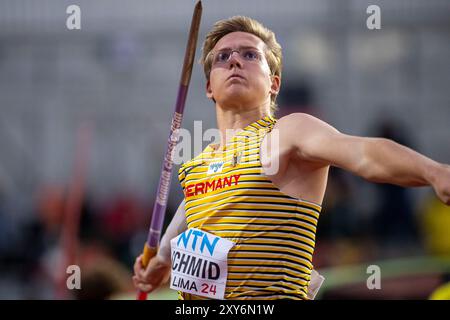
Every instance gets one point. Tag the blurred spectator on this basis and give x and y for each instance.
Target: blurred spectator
(41, 234)
(121, 217)
(394, 219)
(102, 276)
(340, 224)
(4, 226)
(339, 218)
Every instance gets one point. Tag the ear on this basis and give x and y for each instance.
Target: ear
(275, 86)
(209, 93)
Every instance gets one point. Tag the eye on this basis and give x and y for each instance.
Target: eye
(251, 54)
(222, 56)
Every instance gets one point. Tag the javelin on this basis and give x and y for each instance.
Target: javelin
(159, 209)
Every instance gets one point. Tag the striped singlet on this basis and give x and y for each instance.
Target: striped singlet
(274, 234)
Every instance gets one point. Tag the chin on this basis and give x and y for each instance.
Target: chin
(235, 98)
(237, 92)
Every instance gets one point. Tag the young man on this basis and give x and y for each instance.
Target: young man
(266, 190)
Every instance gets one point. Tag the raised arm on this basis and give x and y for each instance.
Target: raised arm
(375, 159)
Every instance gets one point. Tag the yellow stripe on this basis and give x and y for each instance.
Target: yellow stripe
(269, 277)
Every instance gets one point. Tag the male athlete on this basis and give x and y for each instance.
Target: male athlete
(262, 187)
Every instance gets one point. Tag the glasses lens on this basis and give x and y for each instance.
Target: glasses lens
(250, 54)
(222, 56)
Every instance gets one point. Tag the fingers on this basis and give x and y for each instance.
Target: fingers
(444, 195)
(139, 271)
(144, 287)
(447, 200)
(140, 278)
(138, 266)
(150, 278)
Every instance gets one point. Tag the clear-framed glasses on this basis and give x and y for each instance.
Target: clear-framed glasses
(246, 53)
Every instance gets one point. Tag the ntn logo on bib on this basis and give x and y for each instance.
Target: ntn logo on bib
(198, 241)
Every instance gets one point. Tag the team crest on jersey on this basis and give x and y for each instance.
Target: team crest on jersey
(215, 167)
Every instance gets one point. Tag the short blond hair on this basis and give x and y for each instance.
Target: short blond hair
(273, 51)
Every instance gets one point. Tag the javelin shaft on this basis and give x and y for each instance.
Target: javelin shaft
(159, 208)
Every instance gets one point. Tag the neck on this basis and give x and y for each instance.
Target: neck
(230, 121)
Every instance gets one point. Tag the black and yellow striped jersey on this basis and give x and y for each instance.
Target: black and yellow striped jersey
(228, 194)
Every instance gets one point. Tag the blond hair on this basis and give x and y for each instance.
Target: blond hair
(273, 51)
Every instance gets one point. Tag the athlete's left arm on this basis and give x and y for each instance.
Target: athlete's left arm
(375, 159)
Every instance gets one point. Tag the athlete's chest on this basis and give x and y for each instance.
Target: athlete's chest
(222, 175)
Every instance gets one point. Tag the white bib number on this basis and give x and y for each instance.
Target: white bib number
(199, 263)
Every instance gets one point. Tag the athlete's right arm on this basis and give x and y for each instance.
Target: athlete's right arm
(158, 269)
(176, 226)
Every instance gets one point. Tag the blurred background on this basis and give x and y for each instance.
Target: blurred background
(84, 118)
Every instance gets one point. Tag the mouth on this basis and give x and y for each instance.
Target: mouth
(235, 76)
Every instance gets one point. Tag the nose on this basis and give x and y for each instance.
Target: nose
(235, 60)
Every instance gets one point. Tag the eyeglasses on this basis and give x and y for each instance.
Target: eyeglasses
(246, 53)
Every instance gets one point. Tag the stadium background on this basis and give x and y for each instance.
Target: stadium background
(120, 74)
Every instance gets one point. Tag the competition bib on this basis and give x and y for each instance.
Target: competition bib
(199, 263)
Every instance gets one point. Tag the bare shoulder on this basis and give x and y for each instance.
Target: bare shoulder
(298, 116)
(301, 123)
